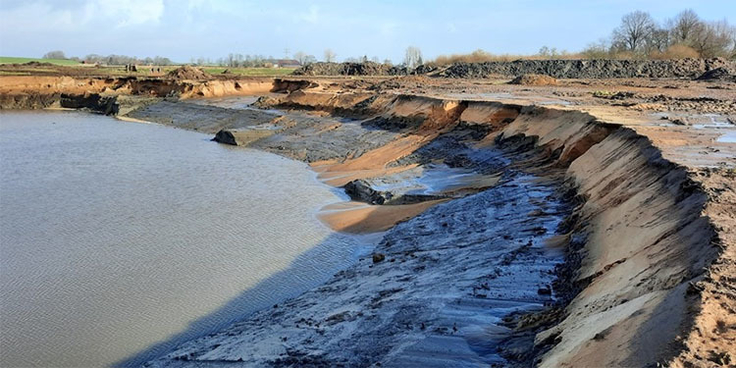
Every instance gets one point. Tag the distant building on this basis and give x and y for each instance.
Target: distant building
(286, 63)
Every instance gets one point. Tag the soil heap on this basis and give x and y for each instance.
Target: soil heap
(721, 73)
(187, 72)
(534, 80)
(366, 68)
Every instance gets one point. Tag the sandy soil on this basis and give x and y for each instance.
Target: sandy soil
(633, 158)
(356, 217)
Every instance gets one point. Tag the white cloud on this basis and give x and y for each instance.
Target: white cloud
(127, 12)
(45, 16)
(34, 16)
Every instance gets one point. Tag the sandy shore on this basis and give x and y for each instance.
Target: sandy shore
(356, 217)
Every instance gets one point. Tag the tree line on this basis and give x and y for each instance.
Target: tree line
(685, 35)
(109, 59)
(638, 36)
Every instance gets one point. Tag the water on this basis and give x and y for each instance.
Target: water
(431, 179)
(120, 239)
(729, 137)
(234, 102)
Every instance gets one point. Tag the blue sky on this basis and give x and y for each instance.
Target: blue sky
(181, 29)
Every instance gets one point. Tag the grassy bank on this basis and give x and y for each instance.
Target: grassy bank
(23, 60)
(119, 70)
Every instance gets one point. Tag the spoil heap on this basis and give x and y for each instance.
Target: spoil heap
(187, 72)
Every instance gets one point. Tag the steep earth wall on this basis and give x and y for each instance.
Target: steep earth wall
(639, 244)
(29, 92)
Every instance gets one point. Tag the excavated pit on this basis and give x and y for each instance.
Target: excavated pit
(620, 302)
(611, 247)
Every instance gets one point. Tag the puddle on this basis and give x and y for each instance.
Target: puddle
(484, 96)
(235, 103)
(729, 137)
(697, 121)
(432, 179)
(555, 102)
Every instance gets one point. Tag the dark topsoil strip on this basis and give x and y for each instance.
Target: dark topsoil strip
(576, 69)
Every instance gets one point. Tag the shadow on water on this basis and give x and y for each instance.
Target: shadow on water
(253, 299)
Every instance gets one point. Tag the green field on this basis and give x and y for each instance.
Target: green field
(142, 69)
(214, 70)
(22, 60)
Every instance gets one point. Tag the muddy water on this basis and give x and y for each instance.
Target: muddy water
(118, 240)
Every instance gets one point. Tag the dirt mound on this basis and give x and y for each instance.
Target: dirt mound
(716, 74)
(30, 64)
(534, 80)
(366, 68)
(187, 72)
(685, 68)
(424, 69)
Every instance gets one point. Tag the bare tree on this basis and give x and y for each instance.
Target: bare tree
(413, 57)
(159, 60)
(300, 57)
(304, 59)
(330, 56)
(714, 39)
(683, 27)
(544, 52)
(597, 50)
(658, 41)
(635, 29)
(54, 55)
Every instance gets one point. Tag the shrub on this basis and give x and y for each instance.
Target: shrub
(676, 52)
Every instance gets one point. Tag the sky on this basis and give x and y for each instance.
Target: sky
(185, 29)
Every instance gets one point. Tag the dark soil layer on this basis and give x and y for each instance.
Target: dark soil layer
(367, 68)
(685, 68)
